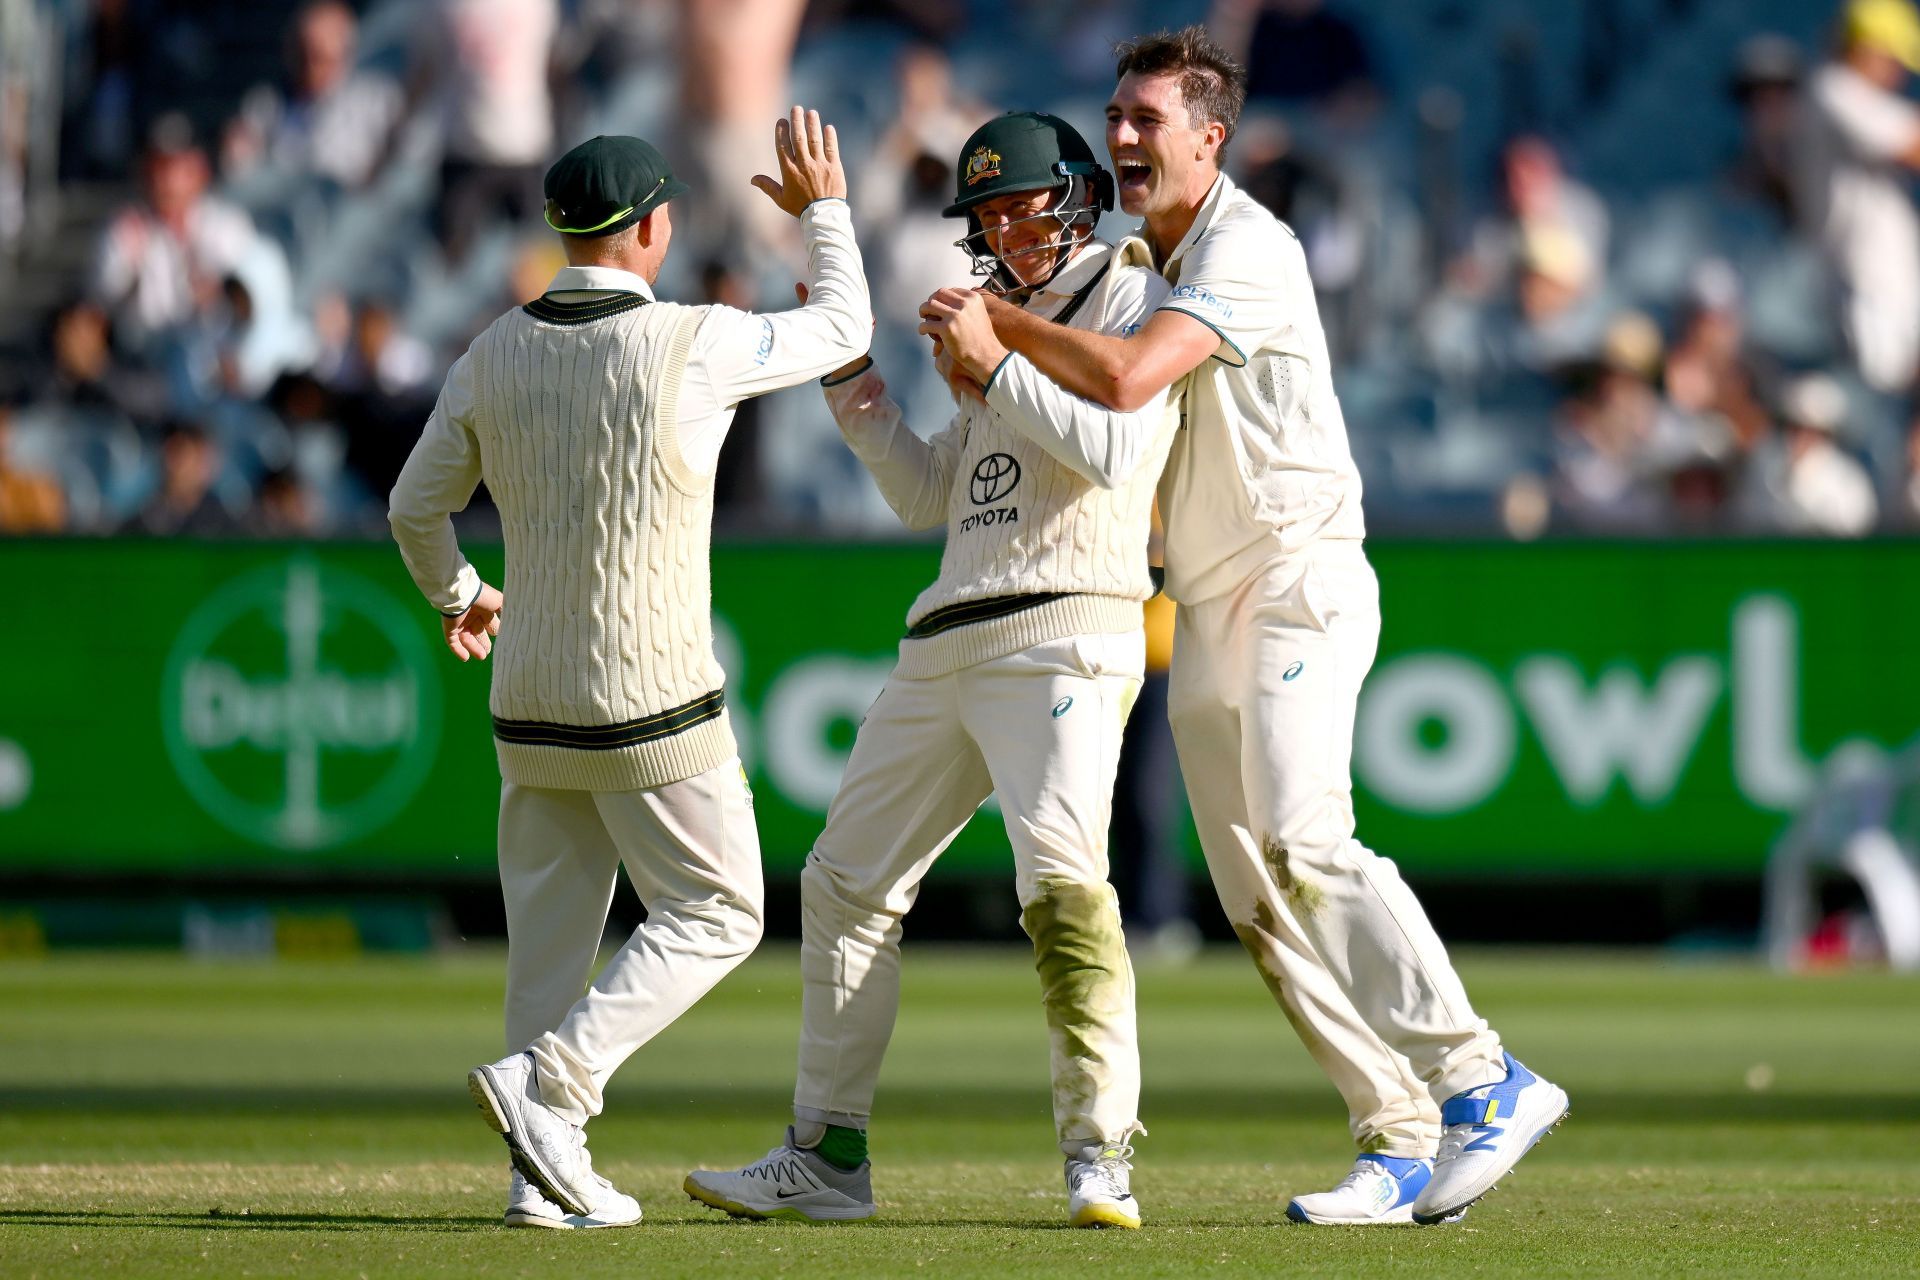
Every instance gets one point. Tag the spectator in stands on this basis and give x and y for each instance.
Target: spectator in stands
(1618, 443)
(1297, 52)
(19, 47)
(334, 121)
(1805, 483)
(1766, 87)
(185, 503)
(1537, 198)
(1552, 317)
(1910, 493)
(734, 60)
(166, 257)
(284, 508)
(82, 375)
(485, 64)
(1859, 145)
(1709, 372)
(30, 501)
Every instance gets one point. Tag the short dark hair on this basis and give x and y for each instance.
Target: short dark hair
(1212, 84)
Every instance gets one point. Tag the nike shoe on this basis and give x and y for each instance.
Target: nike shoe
(1380, 1190)
(1099, 1191)
(788, 1182)
(547, 1147)
(526, 1207)
(1486, 1131)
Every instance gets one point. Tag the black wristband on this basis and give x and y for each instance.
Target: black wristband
(831, 381)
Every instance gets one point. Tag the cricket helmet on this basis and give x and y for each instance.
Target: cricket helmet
(1028, 151)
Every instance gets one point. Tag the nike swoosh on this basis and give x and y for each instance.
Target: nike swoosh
(787, 1195)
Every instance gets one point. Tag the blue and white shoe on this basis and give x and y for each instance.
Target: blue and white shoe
(1380, 1190)
(1484, 1133)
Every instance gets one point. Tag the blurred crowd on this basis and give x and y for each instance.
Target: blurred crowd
(310, 209)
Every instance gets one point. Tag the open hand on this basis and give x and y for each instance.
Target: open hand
(809, 157)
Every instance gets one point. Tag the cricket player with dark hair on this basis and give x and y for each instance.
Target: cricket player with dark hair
(595, 415)
(1016, 675)
(1277, 625)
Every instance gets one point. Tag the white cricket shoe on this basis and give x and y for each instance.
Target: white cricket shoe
(1379, 1191)
(788, 1182)
(1486, 1131)
(1099, 1190)
(526, 1207)
(547, 1147)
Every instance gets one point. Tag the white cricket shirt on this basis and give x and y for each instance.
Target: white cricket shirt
(1261, 467)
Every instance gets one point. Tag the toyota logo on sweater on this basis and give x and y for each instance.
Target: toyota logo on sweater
(994, 477)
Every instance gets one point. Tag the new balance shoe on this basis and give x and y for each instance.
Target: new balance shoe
(788, 1182)
(1099, 1188)
(526, 1207)
(1379, 1191)
(547, 1147)
(1485, 1132)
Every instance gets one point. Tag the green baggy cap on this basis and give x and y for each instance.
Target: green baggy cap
(606, 184)
(1020, 151)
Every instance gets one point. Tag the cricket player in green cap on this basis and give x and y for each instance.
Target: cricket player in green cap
(1015, 677)
(595, 415)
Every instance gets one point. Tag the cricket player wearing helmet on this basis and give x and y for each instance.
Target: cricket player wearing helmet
(1018, 669)
(1277, 625)
(595, 415)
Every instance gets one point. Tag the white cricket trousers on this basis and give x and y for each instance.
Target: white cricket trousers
(1264, 686)
(692, 852)
(1042, 729)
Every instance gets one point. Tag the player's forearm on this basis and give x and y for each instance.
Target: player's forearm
(438, 479)
(837, 304)
(1092, 365)
(432, 554)
(907, 470)
(1104, 445)
(833, 326)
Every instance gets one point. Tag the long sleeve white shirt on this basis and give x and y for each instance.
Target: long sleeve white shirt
(736, 355)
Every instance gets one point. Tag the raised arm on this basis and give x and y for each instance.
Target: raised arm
(749, 354)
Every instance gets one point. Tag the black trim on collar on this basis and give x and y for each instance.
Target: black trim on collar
(554, 311)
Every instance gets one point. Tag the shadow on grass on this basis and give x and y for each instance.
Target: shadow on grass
(722, 1103)
(241, 1222)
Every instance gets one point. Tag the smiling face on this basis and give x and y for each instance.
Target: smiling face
(1162, 161)
(1028, 245)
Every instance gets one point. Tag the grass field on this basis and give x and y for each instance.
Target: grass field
(162, 1117)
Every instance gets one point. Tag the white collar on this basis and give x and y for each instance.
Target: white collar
(1209, 210)
(598, 280)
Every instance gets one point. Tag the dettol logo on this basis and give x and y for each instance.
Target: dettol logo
(300, 707)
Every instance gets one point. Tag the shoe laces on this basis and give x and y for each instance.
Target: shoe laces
(1111, 1168)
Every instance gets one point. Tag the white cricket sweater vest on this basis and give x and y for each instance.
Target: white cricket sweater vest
(1021, 523)
(604, 677)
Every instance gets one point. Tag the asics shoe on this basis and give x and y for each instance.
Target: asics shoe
(526, 1207)
(547, 1147)
(1485, 1132)
(788, 1182)
(1099, 1190)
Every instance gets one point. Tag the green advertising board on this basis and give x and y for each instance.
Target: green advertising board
(1584, 709)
